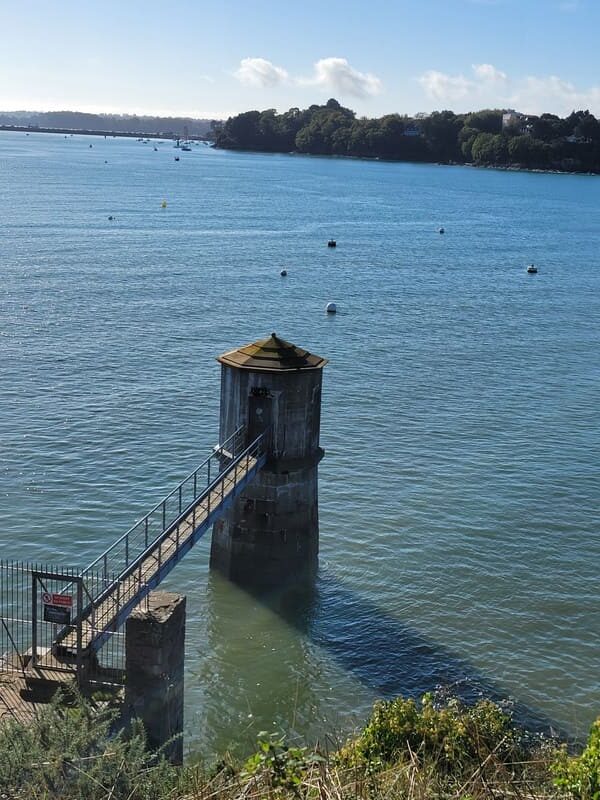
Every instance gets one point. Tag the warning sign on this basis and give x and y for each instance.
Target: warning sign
(53, 599)
(57, 607)
(57, 614)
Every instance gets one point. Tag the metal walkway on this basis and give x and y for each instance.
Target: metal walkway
(140, 559)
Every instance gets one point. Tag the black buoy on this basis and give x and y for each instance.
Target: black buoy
(283, 273)
(176, 158)
(110, 219)
(332, 243)
(442, 230)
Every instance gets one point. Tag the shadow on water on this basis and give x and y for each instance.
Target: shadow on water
(384, 653)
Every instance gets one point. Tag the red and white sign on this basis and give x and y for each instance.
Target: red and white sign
(63, 600)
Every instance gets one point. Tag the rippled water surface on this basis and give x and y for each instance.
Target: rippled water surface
(460, 490)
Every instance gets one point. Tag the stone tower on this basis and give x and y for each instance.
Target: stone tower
(271, 534)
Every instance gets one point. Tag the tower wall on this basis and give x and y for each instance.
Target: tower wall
(271, 534)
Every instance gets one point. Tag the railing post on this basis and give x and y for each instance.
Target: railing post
(180, 498)
(196, 483)
(209, 463)
(93, 599)
(127, 550)
(164, 514)
(146, 532)
(33, 619)
(79, 655)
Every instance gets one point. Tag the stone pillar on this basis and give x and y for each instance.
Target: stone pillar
(154, 646)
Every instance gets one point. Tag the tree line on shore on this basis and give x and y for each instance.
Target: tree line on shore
(491, 137)
(113, 123)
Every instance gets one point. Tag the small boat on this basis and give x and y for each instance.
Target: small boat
(332, 243)
(185, 146)
(532, 269)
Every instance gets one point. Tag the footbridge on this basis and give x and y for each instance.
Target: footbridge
(98, 599)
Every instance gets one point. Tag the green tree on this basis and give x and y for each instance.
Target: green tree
(441, 134)
(489, 149)
(486, 121)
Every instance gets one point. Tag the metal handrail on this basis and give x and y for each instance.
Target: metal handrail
(218, 452)
(210, 488)
(134, 563)
(99, 626)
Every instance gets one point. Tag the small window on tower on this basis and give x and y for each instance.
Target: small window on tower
(259, 391)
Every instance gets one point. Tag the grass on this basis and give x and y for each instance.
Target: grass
(407, 751)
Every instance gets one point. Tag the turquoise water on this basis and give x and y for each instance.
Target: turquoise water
(460, 490)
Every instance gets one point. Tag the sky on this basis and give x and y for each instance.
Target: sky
(216, 59)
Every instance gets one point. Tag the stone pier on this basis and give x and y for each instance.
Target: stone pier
(154, 643)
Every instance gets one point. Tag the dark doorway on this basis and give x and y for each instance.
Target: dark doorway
(260, 414)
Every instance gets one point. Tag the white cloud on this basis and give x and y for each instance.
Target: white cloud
(260, 72)
(537, 95)
(439, 86)
(489, 87)
(487, 72)
(337, 74)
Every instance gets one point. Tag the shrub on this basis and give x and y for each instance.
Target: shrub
(67, 753)
(457, 737)
(580, 775)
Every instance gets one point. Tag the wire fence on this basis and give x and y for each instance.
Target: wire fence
(42, 606)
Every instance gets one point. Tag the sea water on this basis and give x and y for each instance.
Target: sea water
(459, 494)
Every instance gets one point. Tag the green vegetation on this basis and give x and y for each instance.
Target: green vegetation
(407, 750)
(113, 123)
(481, 138)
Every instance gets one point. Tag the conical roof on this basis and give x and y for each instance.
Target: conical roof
(272, 355)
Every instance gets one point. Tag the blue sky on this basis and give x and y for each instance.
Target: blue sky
(214, 59)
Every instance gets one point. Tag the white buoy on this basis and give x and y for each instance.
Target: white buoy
(331, 308)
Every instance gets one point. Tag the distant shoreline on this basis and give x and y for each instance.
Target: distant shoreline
(172, 136)
(106, 134)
